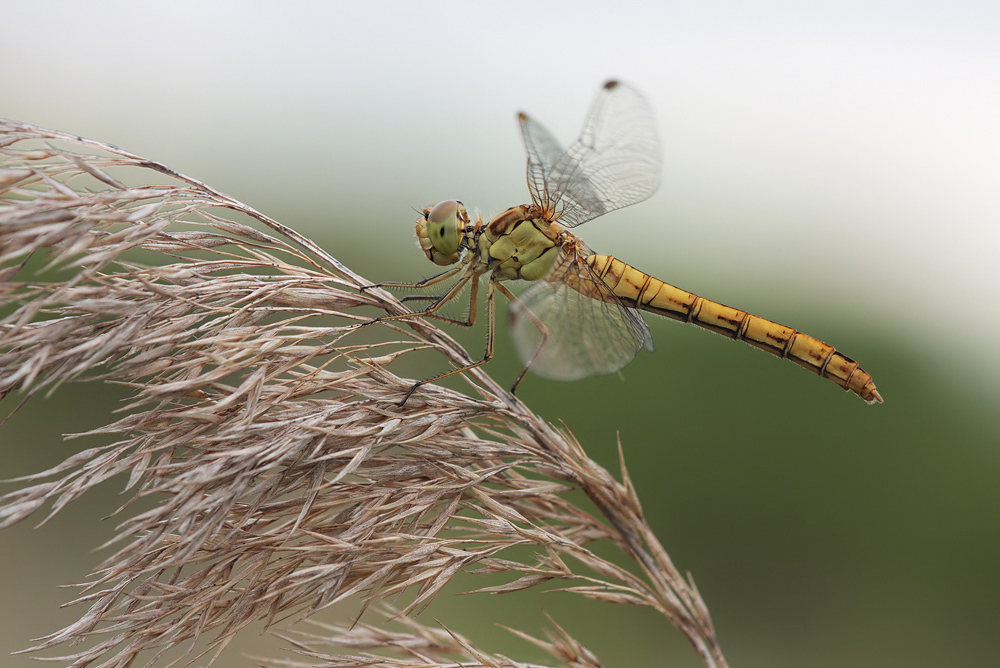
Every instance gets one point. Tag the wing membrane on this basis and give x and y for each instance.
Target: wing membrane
(587, 336)
(616, 161)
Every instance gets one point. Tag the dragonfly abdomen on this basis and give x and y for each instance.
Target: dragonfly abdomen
(640, 290)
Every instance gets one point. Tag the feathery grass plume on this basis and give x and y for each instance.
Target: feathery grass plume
(418, 645)
(264, 431)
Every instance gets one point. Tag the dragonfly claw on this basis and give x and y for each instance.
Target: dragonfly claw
(409, 394)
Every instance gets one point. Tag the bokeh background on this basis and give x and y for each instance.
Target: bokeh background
(834, 166)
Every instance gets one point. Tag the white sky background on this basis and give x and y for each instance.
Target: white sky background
(834, 151)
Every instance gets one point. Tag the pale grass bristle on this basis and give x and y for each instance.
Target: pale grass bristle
(265, 424)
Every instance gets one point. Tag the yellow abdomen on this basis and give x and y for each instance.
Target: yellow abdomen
(642, 291)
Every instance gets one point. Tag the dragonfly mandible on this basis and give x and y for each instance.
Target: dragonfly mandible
(581, 315)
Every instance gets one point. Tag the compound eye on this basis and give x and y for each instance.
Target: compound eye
(442, 211)
(443, 227)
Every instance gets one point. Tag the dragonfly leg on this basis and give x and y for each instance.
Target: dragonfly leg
(420, 298)
(431, 311)
(542, 329)
(490, 339)
(426, 283)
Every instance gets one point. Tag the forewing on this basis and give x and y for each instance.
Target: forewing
(617, 160)
(543, 152)
(586, 336)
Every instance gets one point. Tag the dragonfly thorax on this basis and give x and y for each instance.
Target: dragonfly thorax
(440, 231)
(520, 244)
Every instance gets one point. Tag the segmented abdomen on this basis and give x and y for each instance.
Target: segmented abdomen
(642, 291)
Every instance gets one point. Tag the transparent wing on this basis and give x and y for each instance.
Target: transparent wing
(587, 336)
(616, 161)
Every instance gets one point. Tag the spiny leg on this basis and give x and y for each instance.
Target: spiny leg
(490, 338)
(426, 283)
(420, 298)
(453, 292)
(542, 329)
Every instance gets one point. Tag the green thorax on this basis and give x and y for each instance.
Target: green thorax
(519, 244)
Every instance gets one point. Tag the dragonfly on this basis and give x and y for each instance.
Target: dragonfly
(580, 317)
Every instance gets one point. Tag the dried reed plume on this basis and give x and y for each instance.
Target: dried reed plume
(264, 431)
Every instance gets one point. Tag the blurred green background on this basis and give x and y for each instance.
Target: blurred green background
(831, 166)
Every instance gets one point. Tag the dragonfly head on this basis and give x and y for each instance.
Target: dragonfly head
(440, 231)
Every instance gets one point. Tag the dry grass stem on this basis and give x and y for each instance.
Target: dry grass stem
(416, 645)
(264, 432)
